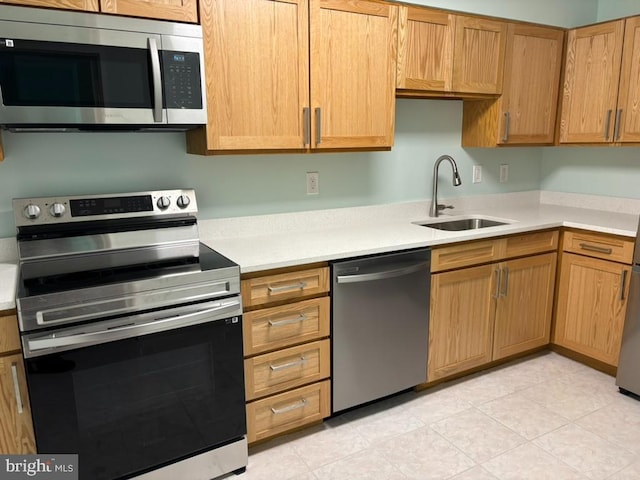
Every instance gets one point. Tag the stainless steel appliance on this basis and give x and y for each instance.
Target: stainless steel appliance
(84, 71)
(132, 336)
(380, 315)
(628, 377)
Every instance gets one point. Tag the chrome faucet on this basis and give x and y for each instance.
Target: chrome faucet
(435, 208)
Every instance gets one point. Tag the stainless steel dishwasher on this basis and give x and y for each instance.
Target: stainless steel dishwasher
(380, 330)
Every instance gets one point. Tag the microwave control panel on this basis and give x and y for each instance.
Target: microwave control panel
(181, 72)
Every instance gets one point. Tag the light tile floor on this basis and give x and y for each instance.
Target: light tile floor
(544, 417)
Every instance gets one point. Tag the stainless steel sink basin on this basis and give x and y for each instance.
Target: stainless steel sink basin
(463, 224)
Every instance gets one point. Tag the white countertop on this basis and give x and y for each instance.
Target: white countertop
(274, 241)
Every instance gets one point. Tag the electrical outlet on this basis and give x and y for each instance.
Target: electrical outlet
(504, 173)
(477, 173)
(313, 183)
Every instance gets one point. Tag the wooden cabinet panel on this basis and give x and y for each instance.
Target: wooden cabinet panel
(628, 125)
(176, 10)
(425, 49)
(285, 369)
(465, 254)
(287, 411)
(16, 432)
(523, 315)
(599, 245)
(284, 286)
(9, 335)
(592, 73)
(591, 306)
(353, 76)
(277, 327)
(461, 320)
(87, 5)
(530, 243)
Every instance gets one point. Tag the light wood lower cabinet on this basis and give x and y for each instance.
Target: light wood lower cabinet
(16, 428)
(484, 313)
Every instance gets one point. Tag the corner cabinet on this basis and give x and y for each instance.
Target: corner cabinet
(324, 80)
(595, 270)
(443, 54)
(176, 10)
(16, 428)
(525, 114)
(494, 310)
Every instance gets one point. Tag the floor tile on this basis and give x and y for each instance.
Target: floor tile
(424, 454)
(477, 435)
(430, 407)
(529, 462)
(476, 473)
(367, 465)
(268, 462)
(588, 453)
(632, 472)
(483, 388)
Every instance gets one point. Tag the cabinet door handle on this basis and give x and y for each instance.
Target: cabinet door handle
(499, 274)
(301, 404)
(306, 113)
(507, 124)
(284, 288)
(318, 126)
(284, 366)
(288, 321)
(16, 387)
(623, 284)
(607, 124)
(595, 248)
(506, 282)
(616, 128)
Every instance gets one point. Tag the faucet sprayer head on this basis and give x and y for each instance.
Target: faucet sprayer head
(457, 181)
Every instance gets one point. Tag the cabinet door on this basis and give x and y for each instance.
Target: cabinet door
(461, 320)
(592, 72)
(16, 429)
(425, 49)
(177, 10)
(87, 5)
(257, 71)
(479, 55)
(628, 128)
(591, 306)
(353, 73)
(523, 315)
(531, 82)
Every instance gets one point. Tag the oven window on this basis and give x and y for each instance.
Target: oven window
(130, 406)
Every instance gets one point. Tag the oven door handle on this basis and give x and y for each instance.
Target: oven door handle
(128, 329)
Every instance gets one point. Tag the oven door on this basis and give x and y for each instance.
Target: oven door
(135, 404)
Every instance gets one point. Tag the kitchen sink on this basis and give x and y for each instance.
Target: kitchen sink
(461, 224)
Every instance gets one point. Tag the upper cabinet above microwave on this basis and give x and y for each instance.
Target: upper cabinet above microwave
(176, 10)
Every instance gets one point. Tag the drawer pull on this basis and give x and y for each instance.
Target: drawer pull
(295, 406)
(288, 321)
(506, 282)
(285, 288)
(499, 274)
(624, 283)
(284, 366)
(595, 248)
(16, 387)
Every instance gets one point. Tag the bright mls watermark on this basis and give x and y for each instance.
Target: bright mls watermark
(49, 467)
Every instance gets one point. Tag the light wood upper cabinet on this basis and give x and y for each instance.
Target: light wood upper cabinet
(87, 5)
(443, 54)
(325, 79)
(592, 73)
(176, 10)
(525, 114)
(629, 96)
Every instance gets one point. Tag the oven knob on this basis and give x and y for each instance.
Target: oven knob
(57, 210)
(183, 201)
(31, 211)
(163, 203)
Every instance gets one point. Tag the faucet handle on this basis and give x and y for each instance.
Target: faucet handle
(442, 207)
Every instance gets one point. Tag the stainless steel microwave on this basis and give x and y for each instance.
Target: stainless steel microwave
(85, 71)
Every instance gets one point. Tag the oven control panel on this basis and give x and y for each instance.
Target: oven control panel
(77, 208)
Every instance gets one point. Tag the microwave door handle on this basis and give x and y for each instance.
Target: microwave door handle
(157, 80)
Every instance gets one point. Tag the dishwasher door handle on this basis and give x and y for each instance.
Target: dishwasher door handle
(384, 274)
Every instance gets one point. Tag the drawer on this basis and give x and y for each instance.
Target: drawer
(284, 286)
(465, 254)
(9, 336)
(599, 245)
(530, 244)
(292, 367)
(284, 412)
(277, 327)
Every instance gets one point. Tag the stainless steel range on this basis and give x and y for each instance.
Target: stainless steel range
(132, 336)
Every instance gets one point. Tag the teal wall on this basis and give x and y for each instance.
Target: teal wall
(76, 163)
